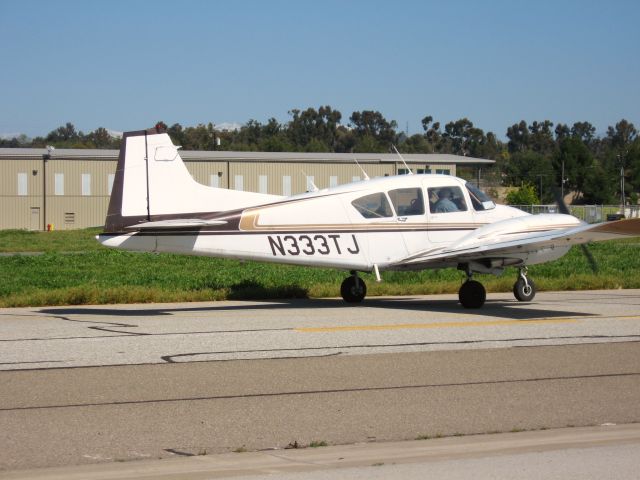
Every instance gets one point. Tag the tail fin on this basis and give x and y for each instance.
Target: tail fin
(152, 183)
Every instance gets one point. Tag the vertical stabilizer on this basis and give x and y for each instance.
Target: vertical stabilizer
(153, 183)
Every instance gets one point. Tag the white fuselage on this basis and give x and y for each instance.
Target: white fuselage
(325, 229)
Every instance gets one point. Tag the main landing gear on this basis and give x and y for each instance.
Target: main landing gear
(353, 289)
(524, 289)
(472, 293)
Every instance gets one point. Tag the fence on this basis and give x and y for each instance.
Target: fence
(587, 213)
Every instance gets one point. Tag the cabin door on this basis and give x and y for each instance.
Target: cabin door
(450, 217)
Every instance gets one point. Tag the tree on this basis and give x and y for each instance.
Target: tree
(541, 139)
(562, 132)
(618, 147)
(490, 147)
(373, 124)
(176, 132)
(200, 137)
(101, 138)
(525, 195)
(432, 133)
(518, 135)
(463, 137)
(577, 160)
(9, 142)
(531, 168)
(415, 144)
(583, 131)
(622, 135)
(345, 140)
(633, 161)
(64, 134)
(315, 145)
(318, 125)
(367, 144)
(599, 186)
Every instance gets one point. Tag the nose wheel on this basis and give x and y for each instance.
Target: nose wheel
(353, 289)
(524, 289)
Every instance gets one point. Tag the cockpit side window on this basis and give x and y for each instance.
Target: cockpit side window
(407, 201)
(479, 199)
(446, 199)
(375, 205)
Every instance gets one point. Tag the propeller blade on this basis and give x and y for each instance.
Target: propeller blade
(562, 207)
(592, 261)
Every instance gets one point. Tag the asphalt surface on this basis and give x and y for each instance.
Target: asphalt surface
(103, 384)
(584, 453)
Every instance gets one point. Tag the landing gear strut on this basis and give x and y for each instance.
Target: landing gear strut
(353, 289)
(472, 293)
(524, 289)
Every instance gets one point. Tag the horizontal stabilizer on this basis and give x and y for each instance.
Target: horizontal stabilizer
(177, 223)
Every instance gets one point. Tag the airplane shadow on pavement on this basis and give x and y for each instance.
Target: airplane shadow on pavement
(510, 309)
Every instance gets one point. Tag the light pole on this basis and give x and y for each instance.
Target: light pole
(622, 201)
(45, 158)
(622, 188)
(562, 181)
(540, 175)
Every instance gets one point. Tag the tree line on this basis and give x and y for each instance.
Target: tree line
(535, 154)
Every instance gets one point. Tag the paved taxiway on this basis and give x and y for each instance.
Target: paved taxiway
(142, 334)
(178, 380)
(586, 453)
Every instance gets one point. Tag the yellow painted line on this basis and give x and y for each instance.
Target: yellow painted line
(486, 323)
(401, 326)
(616, 317)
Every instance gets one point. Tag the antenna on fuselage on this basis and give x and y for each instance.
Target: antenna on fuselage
(366, 177)
(310, 182)
(405, 163)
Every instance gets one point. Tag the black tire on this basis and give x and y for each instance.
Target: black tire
(521, 292)
(350, 293)
(472, 294)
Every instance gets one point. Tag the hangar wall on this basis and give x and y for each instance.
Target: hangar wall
(71, 188)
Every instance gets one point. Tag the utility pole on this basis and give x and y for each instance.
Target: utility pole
(45, 158)
(540, 190)
(562, 182)
(622, 201)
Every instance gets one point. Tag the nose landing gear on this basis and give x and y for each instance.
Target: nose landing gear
(353, 288)
(524, 289)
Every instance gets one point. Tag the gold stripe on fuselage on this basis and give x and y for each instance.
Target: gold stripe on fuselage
(249, 222)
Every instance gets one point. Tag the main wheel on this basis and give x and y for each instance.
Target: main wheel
(472, 294)
(351, 292)
(522, 292)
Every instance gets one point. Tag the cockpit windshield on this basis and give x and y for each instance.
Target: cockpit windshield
(479, 199)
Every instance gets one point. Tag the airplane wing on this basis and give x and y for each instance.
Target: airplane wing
(478, 248)
(175, 223)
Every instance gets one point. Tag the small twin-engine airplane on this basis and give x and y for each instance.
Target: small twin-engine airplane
(407, 222)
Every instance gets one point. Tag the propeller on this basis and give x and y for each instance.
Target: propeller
(562, 206)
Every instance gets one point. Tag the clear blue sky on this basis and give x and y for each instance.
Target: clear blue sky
(126, 64)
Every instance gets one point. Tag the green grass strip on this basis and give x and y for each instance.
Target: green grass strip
(73, 269)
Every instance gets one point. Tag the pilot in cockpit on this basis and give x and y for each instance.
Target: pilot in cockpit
(445, 202)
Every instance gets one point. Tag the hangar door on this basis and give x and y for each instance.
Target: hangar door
(34, 222)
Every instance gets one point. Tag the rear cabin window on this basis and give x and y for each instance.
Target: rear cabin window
(375, 205)
(407, 201)
(446, 199)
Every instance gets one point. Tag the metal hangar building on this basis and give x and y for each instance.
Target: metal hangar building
(70, 188)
